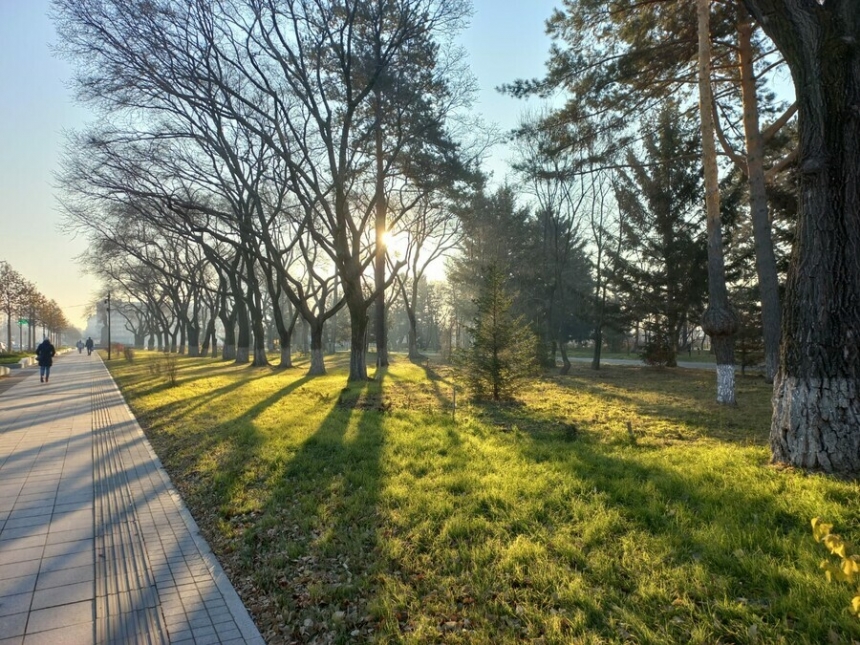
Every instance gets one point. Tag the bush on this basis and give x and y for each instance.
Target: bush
(128, 353)
(658, 352)
(170, 364)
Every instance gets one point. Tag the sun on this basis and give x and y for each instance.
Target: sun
(396, 244)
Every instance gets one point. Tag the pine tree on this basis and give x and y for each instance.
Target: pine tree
(503, 350)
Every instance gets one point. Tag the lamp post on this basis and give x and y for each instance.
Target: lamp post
(107, 305)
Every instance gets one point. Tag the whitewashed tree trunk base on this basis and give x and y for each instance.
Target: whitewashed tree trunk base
(317, 367)
(816, 424)
(726, 384)
(286, 357)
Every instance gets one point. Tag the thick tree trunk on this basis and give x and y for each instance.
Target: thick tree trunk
(228, 351)
(358, 343)
(720, 321)
(243, 339)
(194, 340)
(414, 354)
(768, 279)
(260, 357)
(317, 366)
(816, 415)
(209, 337)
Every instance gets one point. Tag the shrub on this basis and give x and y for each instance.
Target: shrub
(658, 352)
(128, 353)
(171, 368)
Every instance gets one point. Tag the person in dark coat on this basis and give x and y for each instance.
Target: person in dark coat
(45, 355)
(89, 345)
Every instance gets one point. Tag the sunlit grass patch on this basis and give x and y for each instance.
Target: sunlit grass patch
(611, 507)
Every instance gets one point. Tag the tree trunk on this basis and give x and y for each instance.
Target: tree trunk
(260, 357)
(194, 339)
(243, 339)
(228, 351)
(414, 354)
(565, 360)
(720, 321)
(768, 280)
(379, 260)
(816, 415)
(358, 342)
(317, 367)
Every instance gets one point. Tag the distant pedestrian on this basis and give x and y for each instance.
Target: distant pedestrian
(45, 355)
(89, 345)
(79, 345)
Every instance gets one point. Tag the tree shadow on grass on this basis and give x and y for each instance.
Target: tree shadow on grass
(316, 529)
(731, 557)
(676, 402)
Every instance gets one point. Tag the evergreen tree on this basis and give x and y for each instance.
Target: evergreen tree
(661, 271)
(503, 350)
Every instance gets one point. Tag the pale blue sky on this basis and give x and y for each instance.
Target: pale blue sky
(505, 41)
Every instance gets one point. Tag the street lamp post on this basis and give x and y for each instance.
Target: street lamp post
(107, 304)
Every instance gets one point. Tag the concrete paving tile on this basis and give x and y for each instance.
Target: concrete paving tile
(67, 594)
(67, 561)
(73, 520)
(8, 556)
(80, 634)
(205, 637)
(15, 640)
(64, 577)
(229, 633)
(68, 548)
(56, 537)
(63, 616)
(180, 636)
(13, 586)
(13, 625)
(33, 507)
(18, 569)
(74, 506)
(22, 542)
(199, 619)
(23, 532)
(28, 521)
(15, 604)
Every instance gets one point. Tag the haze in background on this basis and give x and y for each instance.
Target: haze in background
(505, 41)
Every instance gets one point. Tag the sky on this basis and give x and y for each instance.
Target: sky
(505, 41)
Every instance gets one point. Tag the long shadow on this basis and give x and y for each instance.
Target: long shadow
(712, 420)
(318, 527)
(709, 524)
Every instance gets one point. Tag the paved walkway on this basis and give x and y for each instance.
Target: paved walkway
(96, 546)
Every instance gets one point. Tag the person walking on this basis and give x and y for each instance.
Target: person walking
(89, 345)
(79, 345)
(45, 355)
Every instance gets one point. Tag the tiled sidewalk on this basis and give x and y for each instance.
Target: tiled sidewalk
(95, 544)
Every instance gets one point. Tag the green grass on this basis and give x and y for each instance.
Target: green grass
(9, 358)
(616, 507)
(684, 357)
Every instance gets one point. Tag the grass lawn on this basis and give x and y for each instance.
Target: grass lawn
(10, 358)
(623, 506)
